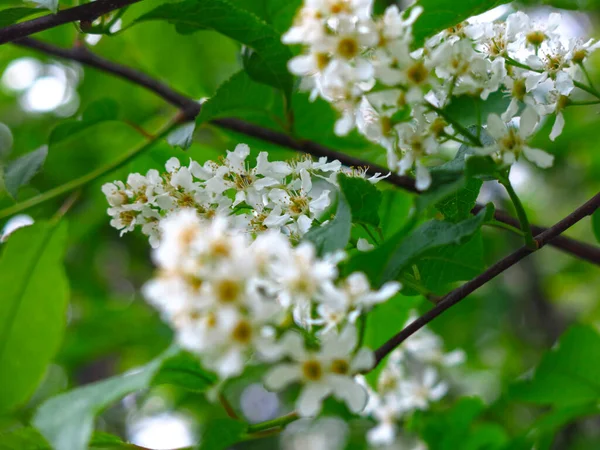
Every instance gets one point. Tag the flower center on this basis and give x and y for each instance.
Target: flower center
(340, 366)
(312, 370)
(228, 291)
(536, 38)
(417, 73)
(348, 48)
(242, 332)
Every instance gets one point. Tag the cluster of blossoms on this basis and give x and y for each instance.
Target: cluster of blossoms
(233, 300)
(409, 381)
(281, 196)
(397, 96)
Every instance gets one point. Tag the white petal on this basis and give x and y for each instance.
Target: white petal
(529, 120)
(363, 360)
(364, 246)
(496, 126)
(282, 375)
(558, 126)
(539, 157)
(353, 394)
(423, 177)
(309, 402)
(172, 164)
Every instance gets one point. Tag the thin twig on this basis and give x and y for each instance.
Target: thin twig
(87, 12)
(460, 293)
(190, 109)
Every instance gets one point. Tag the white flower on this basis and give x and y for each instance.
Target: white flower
(417, 393)
(323, 373)
(512, 141)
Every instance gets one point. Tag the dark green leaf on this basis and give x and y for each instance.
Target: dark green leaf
(569, 374)
(438, 268)
(363, 199)
(456, 184)
(184, 370)
(596, 224)
(21, 170)
(239, 96)
(399, 252)
(441, 14)
(221, 434)
(23, 439)
(459, 427)
(34, 297)
(182, 136)
(13, 15)
(468, 110)
(98, 111)
(270, 63)
(335, 234)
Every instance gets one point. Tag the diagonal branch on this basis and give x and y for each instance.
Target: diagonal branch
(546, 237)
(190, 109)
(87, 12)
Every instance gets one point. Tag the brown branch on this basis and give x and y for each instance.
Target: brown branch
(190, 109)
(460, 293)
(87, 13)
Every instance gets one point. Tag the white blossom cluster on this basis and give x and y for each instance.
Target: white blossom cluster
(368, 69)
(269, 196)
(233, 301)
(409, 381)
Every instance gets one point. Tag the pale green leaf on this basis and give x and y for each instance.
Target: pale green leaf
(35, 292)
(21, 170)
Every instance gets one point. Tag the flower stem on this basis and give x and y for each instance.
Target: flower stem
(530, 242)
(278, 422)
(457, 126)
(505, 226)
(88, 178)
(587, 75)
(586, 88)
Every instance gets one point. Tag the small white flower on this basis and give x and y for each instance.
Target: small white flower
(511, 141)
(324, 373)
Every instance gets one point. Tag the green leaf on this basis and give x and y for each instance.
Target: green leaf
(456, 184)
(439, 267)
(399, 252)
(596, 224)
(6, 141)
(468, 110)
(21, 170)
(221, 434)
(99, 111)
(184, 370)
(441, 14)
(278, 13)
(268, 61)
(67, 420)
(23, 439)
(182, 136)
(363, 198)
(35, 292)
(569, 374)
(239, 96)
(460, 427)
(335, 234)
(13, 15)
